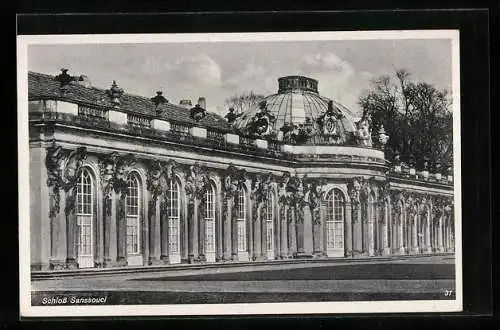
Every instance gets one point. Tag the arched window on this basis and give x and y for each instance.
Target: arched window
(173, 211)
(133, 206)
(335, 214)
(269, 219)
(85, 218)
(241, 217)
(210, 219)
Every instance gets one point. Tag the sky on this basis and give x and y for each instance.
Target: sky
(217, 70)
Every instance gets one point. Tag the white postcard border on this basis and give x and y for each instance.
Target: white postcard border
(27, 310)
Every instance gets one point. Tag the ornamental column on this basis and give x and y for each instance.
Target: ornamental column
(317, 220)
(110, 242)
(316, 216)
(121, 259)
(164, 236)
(155, 183)
(201, 230)
(292, 234)
(154, 231)
(440, 235)
(414, 231)
(386, 228)
(283, 214)
(299, 225)
(227, 230)
(63, 169)
(234, 235)
(428, 248)
(71, 226)
(58, 238)
(371, 229)
(256, 226)
(357, 234)
(193, 230)
(354, 189)
(401, 232)
(277, 229)
(196, 184)
(348, 243)
(414, 236)
(262, 254)
(284, 230)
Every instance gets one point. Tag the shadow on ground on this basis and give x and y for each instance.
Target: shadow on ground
(338, 272)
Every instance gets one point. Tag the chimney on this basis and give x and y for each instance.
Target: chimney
(202, 102)
(185, 103)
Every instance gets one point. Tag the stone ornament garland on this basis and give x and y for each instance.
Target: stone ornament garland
(63, 169)
(234, 180)
(114, 170)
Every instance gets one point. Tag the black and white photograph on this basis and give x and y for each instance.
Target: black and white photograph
(239, 173)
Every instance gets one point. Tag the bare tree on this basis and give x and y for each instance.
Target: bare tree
(416, 115)
(244, 101)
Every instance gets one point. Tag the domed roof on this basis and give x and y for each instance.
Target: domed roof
(296, 104)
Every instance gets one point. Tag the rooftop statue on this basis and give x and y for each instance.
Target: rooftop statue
(158, 100)
(231, 116)
(364, 130)
(115, 93)
(260, 124)
(197, 113)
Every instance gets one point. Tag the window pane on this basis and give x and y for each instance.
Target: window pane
(173, 209)
(335, 220)
(241, 221)
(84, 213)
(209, 219)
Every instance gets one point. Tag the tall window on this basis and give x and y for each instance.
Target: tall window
(133, 202)
(210, 219)
(173, 211)
(335, 220)
(269, 219)
(241, 215)
(85, 209)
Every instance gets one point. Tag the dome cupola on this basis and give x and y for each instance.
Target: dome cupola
(298, 114)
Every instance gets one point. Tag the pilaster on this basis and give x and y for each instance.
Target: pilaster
(121, 259)
(415, 249)
(155, 233)
(284, 231)
(292, 236)
(71, 220)
(386, 228)
(227, 232)
(257, 230)
(59, 242)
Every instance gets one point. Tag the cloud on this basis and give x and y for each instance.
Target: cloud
(252, 76)
(326, 62)
(338, 79)
(200, 68)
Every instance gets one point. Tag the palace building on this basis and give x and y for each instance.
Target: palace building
(119, 180)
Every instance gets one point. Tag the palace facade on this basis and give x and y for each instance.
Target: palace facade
(123, 180)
